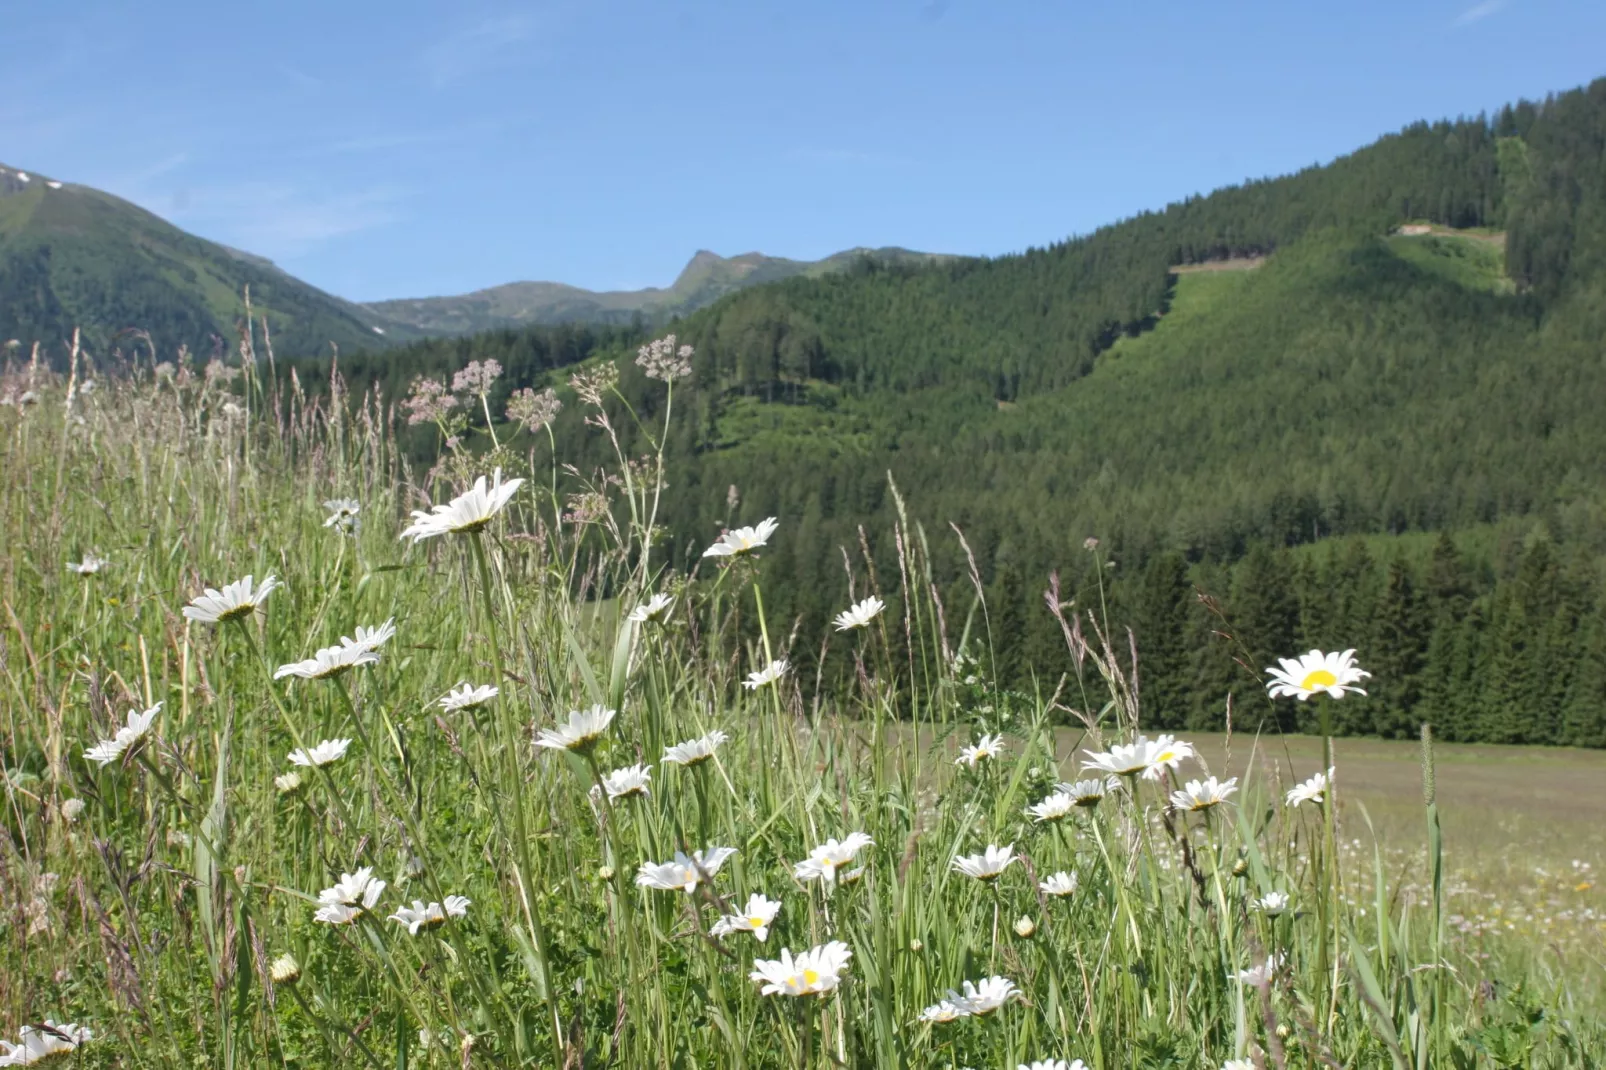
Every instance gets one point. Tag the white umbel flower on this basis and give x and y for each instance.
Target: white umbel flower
(470, 511)
(127, 739)
(238, 599)
(1149, 757)
(347, 900)
(695, 751)
(754, 918)
(335, 660)
(1201, 795)
(46, 1042)
(1313, 790)
(1055, 807)
(1059, 884)
(631, 780)
(89, 566)
(987, 866)
(814, 972)
(654, 610)
(739, 541)
(430, 916)
(1089, 793)
(765, 676)
(985, 996)
(1316, 673)
(330, 750)
(467, 697)
(860, 614)
(585, 727)
(985, 748)
(685, 872)
(1272, 903)
(830, 856)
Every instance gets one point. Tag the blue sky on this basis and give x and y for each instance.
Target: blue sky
(405, 149)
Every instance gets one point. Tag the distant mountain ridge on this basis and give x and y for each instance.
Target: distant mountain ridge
(705, 278)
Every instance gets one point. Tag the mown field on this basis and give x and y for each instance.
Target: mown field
(476, 781)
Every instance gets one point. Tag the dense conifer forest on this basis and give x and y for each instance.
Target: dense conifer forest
(1372, 439)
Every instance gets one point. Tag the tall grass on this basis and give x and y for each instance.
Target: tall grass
(155, 899)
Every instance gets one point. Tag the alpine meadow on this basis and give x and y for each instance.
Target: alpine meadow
(1182, 647)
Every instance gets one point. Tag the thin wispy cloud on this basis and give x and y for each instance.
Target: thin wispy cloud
(1478, 12)
(477, 47)
(276, 220)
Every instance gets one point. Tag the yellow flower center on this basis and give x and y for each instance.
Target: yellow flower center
(1318, 678)
(756, 922)
(810, 978)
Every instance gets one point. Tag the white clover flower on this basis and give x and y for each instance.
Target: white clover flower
(1089, 793)
(767, 675)
(985, 996)
(1053, 1064)
(1053, 808)
(466, 697)
(814, 972)
(823, 862)
(984, 748)
(1316, 673)
(685, 872)
(1272, 903)
(1200, 795)
(860, 614)
(284, 970)
(470, 511)
(695, 751)
(127, 739)
(349, 898)
(1150, 757)
(1313, 790)
(330, 750)
(631, 780)
(46, 1042)
(1059, 884)
(754, 918)
(945, 1010)
(654, 610)
(987, 866)
(740, 541)
(89, 566)
(584, 729)
(343, 515)
(236, 600)
(335, 660)
(430, 916)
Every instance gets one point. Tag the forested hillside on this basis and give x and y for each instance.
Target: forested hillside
(1203, 426)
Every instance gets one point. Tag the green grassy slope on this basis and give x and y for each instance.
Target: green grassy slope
(77, 257)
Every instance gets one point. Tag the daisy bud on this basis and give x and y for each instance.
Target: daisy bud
(285, 970)
(1025, 927)
(605, 873)
(1240, 867)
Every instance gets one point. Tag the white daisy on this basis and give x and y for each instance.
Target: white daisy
(1053, 1064)
(814, 972)
(127, 739)
(984, 748)
(238, 599)
(1199, 795)
(684, 872)
(1053, 808)
(1150, 757)
(767, 675)
(343, 515)
(1313, 790)
(285, 783)
(695, 751)
(1167, 752)
(945, 1010)
(467, 697)
(374, 638)
(743, 540)
(330, 750)
(755, 918)
(1272, 903)
(1238, 1064)
(988, 865)
(823, 862)
(654, 610)
(349, 897)
(631, 780)
(1260, 973)
(284, 970)
(1059, 884)
(430, 916)
(36, 1045)
(585, 727)
(335, 660)
(1025, 927)
(860, 614)
(986, 996)
(470, 511)
(1316, 673)
(89, 566)
(1089, 793)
